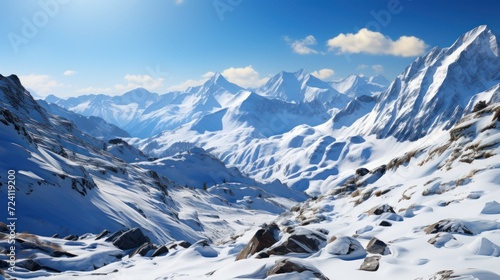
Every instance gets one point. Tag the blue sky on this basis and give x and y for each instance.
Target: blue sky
(75, 47)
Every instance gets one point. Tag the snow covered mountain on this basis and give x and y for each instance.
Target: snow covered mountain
(433, 92)
(403, 183)
(355, 86)
(93, 126)
(301, 86)
(68, 182)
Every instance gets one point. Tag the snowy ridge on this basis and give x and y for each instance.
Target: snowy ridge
(433, 91)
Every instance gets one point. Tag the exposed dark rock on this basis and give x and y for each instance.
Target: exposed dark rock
(449, 225)
(377, 246)
(362, 171)
(385, 224)
(162, 250)
(300, 241)
(71, 237)
(263, 238)
(30, 265)
(262, 255)
(288, 266)
(381, 209)
(102, 234)
(132, 238)
(174, 245)
(143, 249)
(115, 235)
(370, 263)
(4, 264)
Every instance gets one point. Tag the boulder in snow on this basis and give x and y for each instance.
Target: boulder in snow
(262, 239)
(130, 239)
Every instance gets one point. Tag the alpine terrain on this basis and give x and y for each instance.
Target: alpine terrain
(360, 178)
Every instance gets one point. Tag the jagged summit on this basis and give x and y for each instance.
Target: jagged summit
(434, 90)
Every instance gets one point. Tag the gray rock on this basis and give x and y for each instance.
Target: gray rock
(130, 239)
(30, 265)
(143, 249)
(449, 225)
(288, 266)
(377, 246)
(370, 263)
(162, 250)
(381, 209)
(262, 239)
(102, 234)
(300, 241)
(71, 237)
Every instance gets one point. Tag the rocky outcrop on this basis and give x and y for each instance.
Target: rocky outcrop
(288, 266)
(449, 225)
(162, 250)
(143, 249)
(262, 239)
(300, 241)
(130, 239)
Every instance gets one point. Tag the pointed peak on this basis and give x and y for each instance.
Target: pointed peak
(301, 74)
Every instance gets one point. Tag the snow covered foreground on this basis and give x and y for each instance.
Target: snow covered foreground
(383, 207)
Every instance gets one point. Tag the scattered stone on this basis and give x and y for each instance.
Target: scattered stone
(262, 239)
(377, 246)
(71, 237)
(385, 224)
(288, 266)
(381, 209)
(346, 248)
(362, 171)
(102, 234)
(449, 225)
(143, 249)
(441, 239)
(162, 250)
(115, 235)
(300, 241)
(370, 263)
(130, 239)
(30, 265)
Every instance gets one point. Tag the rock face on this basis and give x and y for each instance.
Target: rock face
(160, 251)
(370, 263)
(287, 266)
(102, 234)
(130, 239)
(300, 241)
(377, 246)
(143, 249)
(263, 238)
(449, 225)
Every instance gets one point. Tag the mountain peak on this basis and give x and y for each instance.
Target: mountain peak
(220, 81)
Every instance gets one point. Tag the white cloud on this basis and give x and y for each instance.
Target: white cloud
(144, 81)
(324, 74)
(69, 73)
(370, 42)
(43, 85)
(245, 77)
(192, 83)
(303, 46)
(379, 69)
